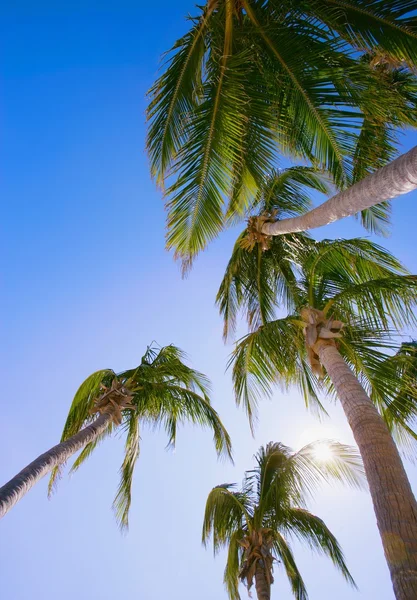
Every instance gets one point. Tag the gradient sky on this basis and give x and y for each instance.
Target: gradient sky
(87, 284)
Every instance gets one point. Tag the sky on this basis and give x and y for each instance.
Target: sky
(87, 284)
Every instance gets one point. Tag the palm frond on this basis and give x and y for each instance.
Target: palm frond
(204, 164)
(310, 529)
(263, 358)
(272, 461)
(123, 499)
(83, 401)
(170, 404)
(310, 96)
(89, 449)
(226, 511)
(286, 190)
(389, 301)
(231, 572)
(166, 364)
(377, 219)
(351, 261)
(257, 282)
(389, 28)
(391, 382)
(173, 96)
(284, 552)
(345, 466)
(79, 412)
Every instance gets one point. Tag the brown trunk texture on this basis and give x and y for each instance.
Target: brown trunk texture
(17, 487)
(263, 588)
(394, 503)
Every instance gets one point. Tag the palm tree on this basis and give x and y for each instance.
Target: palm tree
(252, 78)
(342, 297)
(162, 390)
(256, 522)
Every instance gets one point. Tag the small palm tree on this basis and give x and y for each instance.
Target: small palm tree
(343, 298)
(162, 390)
(253, 78)
(256, 523)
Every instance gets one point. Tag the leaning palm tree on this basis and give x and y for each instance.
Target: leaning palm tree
(342, 298)
(256, 523)
(252, 78)
(162, 390)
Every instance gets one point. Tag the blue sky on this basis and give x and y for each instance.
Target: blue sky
(87, 284)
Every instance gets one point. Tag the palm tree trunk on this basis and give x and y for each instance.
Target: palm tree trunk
(17, 487)
(263, 587)
(394, 503)
(396, 178)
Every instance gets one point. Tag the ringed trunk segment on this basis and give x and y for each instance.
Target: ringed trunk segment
(318, 327)
(258, 562)
(393, 500)
(262, 583)
(21, 483)
(397, 178)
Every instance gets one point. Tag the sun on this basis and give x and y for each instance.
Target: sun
(323, 452)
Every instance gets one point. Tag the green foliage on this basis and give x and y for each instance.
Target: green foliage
(284, 193)
(329, 82)
(394, 389)
(389, 27)
(354, 281)
(272, 503)
(166, 392)
(79, 415)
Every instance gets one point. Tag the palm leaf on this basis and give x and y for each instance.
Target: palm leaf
(173, 97)
(89, 449)
(79, 412)
(258, 359)
(284, 552)
(345, 466)
(123, 499)
(388, 27)
(232, 570)
(308, 528)
(226, 511)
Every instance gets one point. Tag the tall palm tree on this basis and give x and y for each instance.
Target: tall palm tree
(252, 78)
(342, 297)
(256, 523)
(162, 390)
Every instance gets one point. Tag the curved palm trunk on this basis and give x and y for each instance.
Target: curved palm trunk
(394, 503)
(263, 587)
(396, 178)
(21, 483)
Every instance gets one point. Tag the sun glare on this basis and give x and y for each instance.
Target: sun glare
(323, 452)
